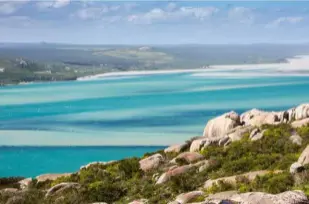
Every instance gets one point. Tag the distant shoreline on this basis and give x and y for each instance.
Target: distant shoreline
(292, 65)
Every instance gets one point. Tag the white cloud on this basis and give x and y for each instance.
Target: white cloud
(89, 13)
(10, 7)
(171, 6)
(285, 20)
(53, 4)
(94, 13)
(159, 15)
(241, 15)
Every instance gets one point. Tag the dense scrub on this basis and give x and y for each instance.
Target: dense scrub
(123, 181)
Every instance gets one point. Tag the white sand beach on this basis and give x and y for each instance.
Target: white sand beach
(294, 66)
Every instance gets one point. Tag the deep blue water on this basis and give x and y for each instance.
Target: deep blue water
(138, 110)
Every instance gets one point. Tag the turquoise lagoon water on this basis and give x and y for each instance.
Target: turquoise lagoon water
(136, 110)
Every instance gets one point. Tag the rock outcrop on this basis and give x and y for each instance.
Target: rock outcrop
(187, 197)
(238, 132)
(304, 157)
(176, 148)
(288, 197)
(188, 157)
(257, 118)
(152, 162)
(141, 201)
(296, 139)
(51, 177)
(198, 144)
(25, 183)
(300, 123)
(60, 188)
(173, 172)
(301, 112)
(220, 126)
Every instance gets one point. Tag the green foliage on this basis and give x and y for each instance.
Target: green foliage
(103, 192)
(219, 187)
(273, 151)
(181, 161)
(123, 181)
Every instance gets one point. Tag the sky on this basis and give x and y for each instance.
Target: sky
(154, 22)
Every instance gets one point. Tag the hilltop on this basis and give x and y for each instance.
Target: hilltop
(256, 157)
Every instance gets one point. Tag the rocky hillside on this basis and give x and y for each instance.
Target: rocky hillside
(254, 158)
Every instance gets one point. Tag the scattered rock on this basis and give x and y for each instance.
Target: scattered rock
(238, 132)
(220, 126)
(224, 141)
(206, 164)
(187, 197)
(141, 201)
(222, 195)
(296, 168)
(173, 172)
(198, 144)
(51, 177)
(300, 123)
(257, 136)
(10, 190)
(304, 157)
(189, 157)
(176, 148)
(60, 188)
(232, 179)
(91, 164)
(152, 162)
(25, 183)
(288, 197)
(296, 139)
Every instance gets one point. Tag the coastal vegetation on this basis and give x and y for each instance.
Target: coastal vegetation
(124, 181)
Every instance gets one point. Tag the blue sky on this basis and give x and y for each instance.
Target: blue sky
(154, 22)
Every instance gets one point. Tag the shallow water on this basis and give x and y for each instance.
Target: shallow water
(137, 110)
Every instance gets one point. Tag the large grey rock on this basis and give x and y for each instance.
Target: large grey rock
(152, 162)
(296, 139)
(51, 177)
(288, 197)
(257, 135)
(258, 118)
(176, 148)
(220, 126)
(189, 157)
(187, 197)
(300, 123)
(173, 172)
(60, 188)
(304, 157)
